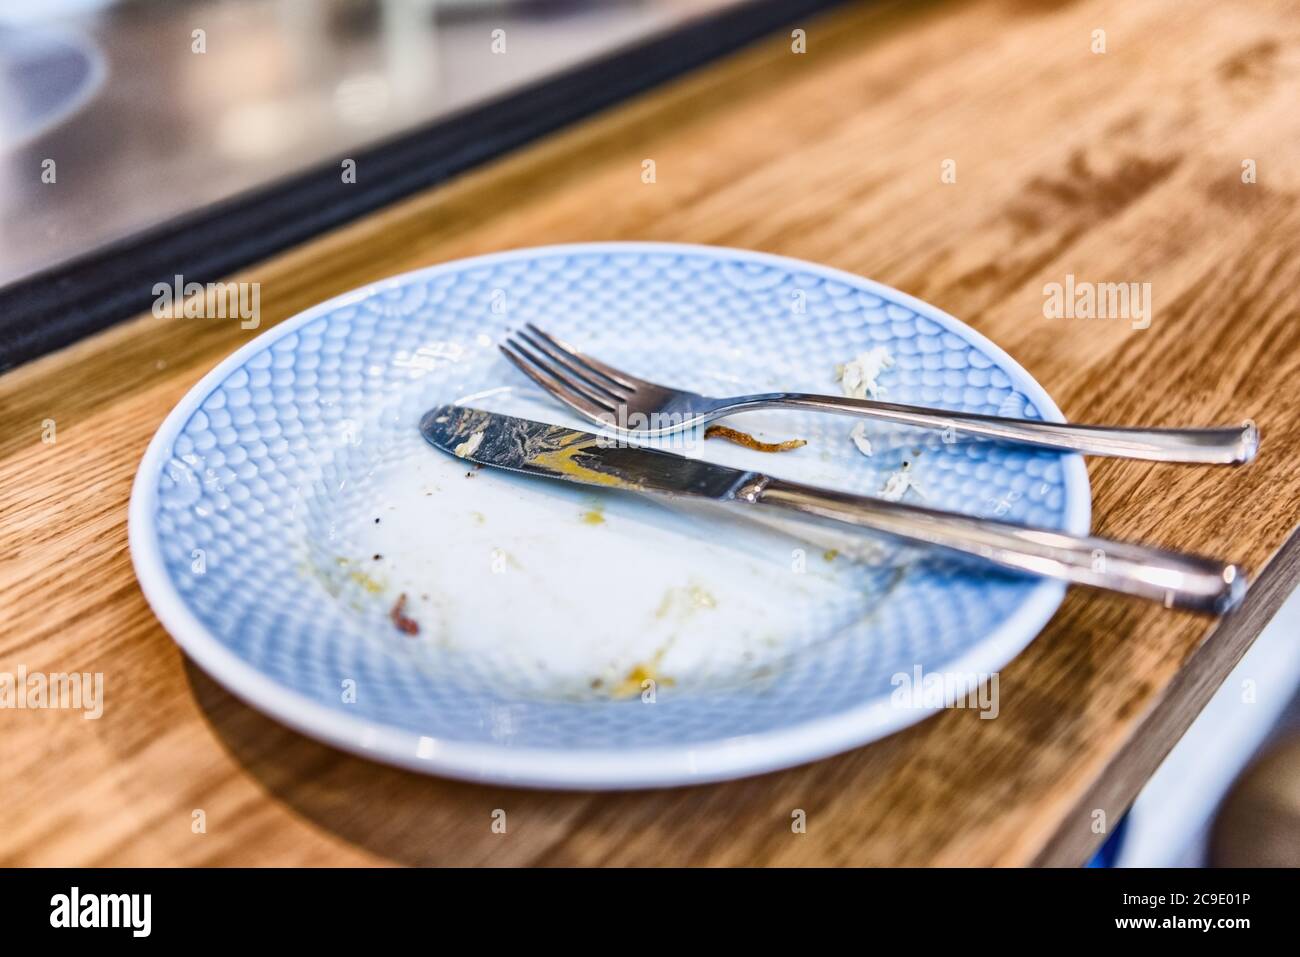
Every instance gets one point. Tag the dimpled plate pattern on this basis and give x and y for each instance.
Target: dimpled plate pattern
(269, 453)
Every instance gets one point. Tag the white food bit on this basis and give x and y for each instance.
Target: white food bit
(859, 437)
(468, 447)
(858, 377)
(897, 484)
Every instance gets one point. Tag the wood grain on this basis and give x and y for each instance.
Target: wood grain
(1122, 166)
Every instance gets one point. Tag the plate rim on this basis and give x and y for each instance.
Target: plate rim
(556, 768)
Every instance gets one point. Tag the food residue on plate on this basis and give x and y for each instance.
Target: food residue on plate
(684, 602)
(633, 683)
(859, 437)
(858, 377)
(749, 442)
(357, 576)
(899, 482)
(397, 613)
(366, 582)
(444, 607)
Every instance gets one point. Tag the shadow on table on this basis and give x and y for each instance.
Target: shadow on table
(409, 818)
(403, 817)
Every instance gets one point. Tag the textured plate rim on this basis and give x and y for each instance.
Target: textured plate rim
(604, 769)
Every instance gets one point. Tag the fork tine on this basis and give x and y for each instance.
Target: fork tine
(584, 375)
(616, 376)
(544, 364)
(569, 396)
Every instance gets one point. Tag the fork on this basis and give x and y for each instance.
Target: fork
(619, 400)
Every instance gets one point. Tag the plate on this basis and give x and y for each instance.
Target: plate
(300, 541)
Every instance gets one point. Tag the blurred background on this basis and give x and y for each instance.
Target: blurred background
(159, 108)
(150, 119)
(1228, 795)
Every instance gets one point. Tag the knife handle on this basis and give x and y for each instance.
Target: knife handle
(1176, 579)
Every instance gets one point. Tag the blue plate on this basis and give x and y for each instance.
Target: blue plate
(301, 542)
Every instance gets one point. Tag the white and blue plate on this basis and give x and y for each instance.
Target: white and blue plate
(569, 637)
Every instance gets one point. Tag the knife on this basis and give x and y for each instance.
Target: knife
(1176, 579)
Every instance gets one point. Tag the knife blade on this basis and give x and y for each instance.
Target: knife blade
(558, 452)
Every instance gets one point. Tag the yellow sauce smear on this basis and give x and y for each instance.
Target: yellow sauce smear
(561, 462)
(366, 582)
(749, 442)
(685, 601)
(634, 681)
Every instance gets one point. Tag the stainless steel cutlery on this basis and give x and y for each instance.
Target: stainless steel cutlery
(632, 406)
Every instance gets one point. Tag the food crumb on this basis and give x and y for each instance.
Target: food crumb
(858, 377)
(470, 445)
(398, 615)
(749, 442)
(859, 437)
(898, 484)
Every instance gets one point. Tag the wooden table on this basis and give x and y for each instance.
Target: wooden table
(1117, 166)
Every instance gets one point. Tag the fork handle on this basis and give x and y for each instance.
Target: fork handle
(1176, 579)
(1233, 445)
